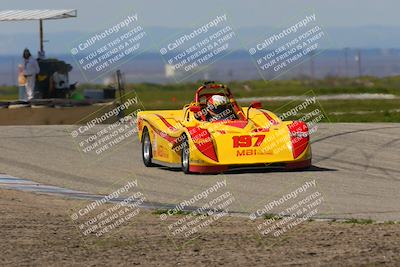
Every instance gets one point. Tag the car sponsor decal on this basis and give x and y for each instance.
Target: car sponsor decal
(203, 142)
(270, 119)
(172, 128)
(299, 137)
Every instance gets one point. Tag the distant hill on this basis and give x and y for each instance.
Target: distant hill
(356, 37)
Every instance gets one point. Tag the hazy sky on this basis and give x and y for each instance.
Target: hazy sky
(175, 13)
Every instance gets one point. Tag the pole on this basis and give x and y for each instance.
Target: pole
(41, 35)
(312, 68)
(359, 62)
(14, 77)
(346, 62)
(121, 89)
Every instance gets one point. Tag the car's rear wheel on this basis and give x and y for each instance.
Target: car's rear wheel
(147, 152)
(185, 155)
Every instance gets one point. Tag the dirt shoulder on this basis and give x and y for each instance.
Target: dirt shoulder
(37, 230)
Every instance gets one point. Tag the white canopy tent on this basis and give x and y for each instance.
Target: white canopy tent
(45, 14)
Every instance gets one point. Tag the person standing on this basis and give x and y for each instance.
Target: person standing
(31, 69)
(21, 83)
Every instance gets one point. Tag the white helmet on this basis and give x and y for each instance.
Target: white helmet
(217, 100)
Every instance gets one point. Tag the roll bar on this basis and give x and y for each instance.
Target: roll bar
(211, 85)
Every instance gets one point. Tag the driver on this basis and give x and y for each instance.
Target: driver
(219, 108)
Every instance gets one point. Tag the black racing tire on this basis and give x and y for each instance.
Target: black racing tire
(185, 155)
(147, 151)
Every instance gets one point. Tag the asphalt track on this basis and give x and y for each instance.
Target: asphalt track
(355, 166)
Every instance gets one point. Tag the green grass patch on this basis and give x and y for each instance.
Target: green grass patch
(8, 93)
(359, 221)
(269, 216)
(175, 96)
(164, 211)
(379, 110)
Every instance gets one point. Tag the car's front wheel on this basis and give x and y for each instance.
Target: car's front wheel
(147, 152)
(185, 155)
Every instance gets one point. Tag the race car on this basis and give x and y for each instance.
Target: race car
(213, 134)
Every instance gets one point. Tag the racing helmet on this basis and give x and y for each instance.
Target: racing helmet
(217, 101)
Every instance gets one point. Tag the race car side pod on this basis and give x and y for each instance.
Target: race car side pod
(299, 137)
(203, 142)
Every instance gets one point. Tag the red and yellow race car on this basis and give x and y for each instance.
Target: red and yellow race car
(213, 134)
